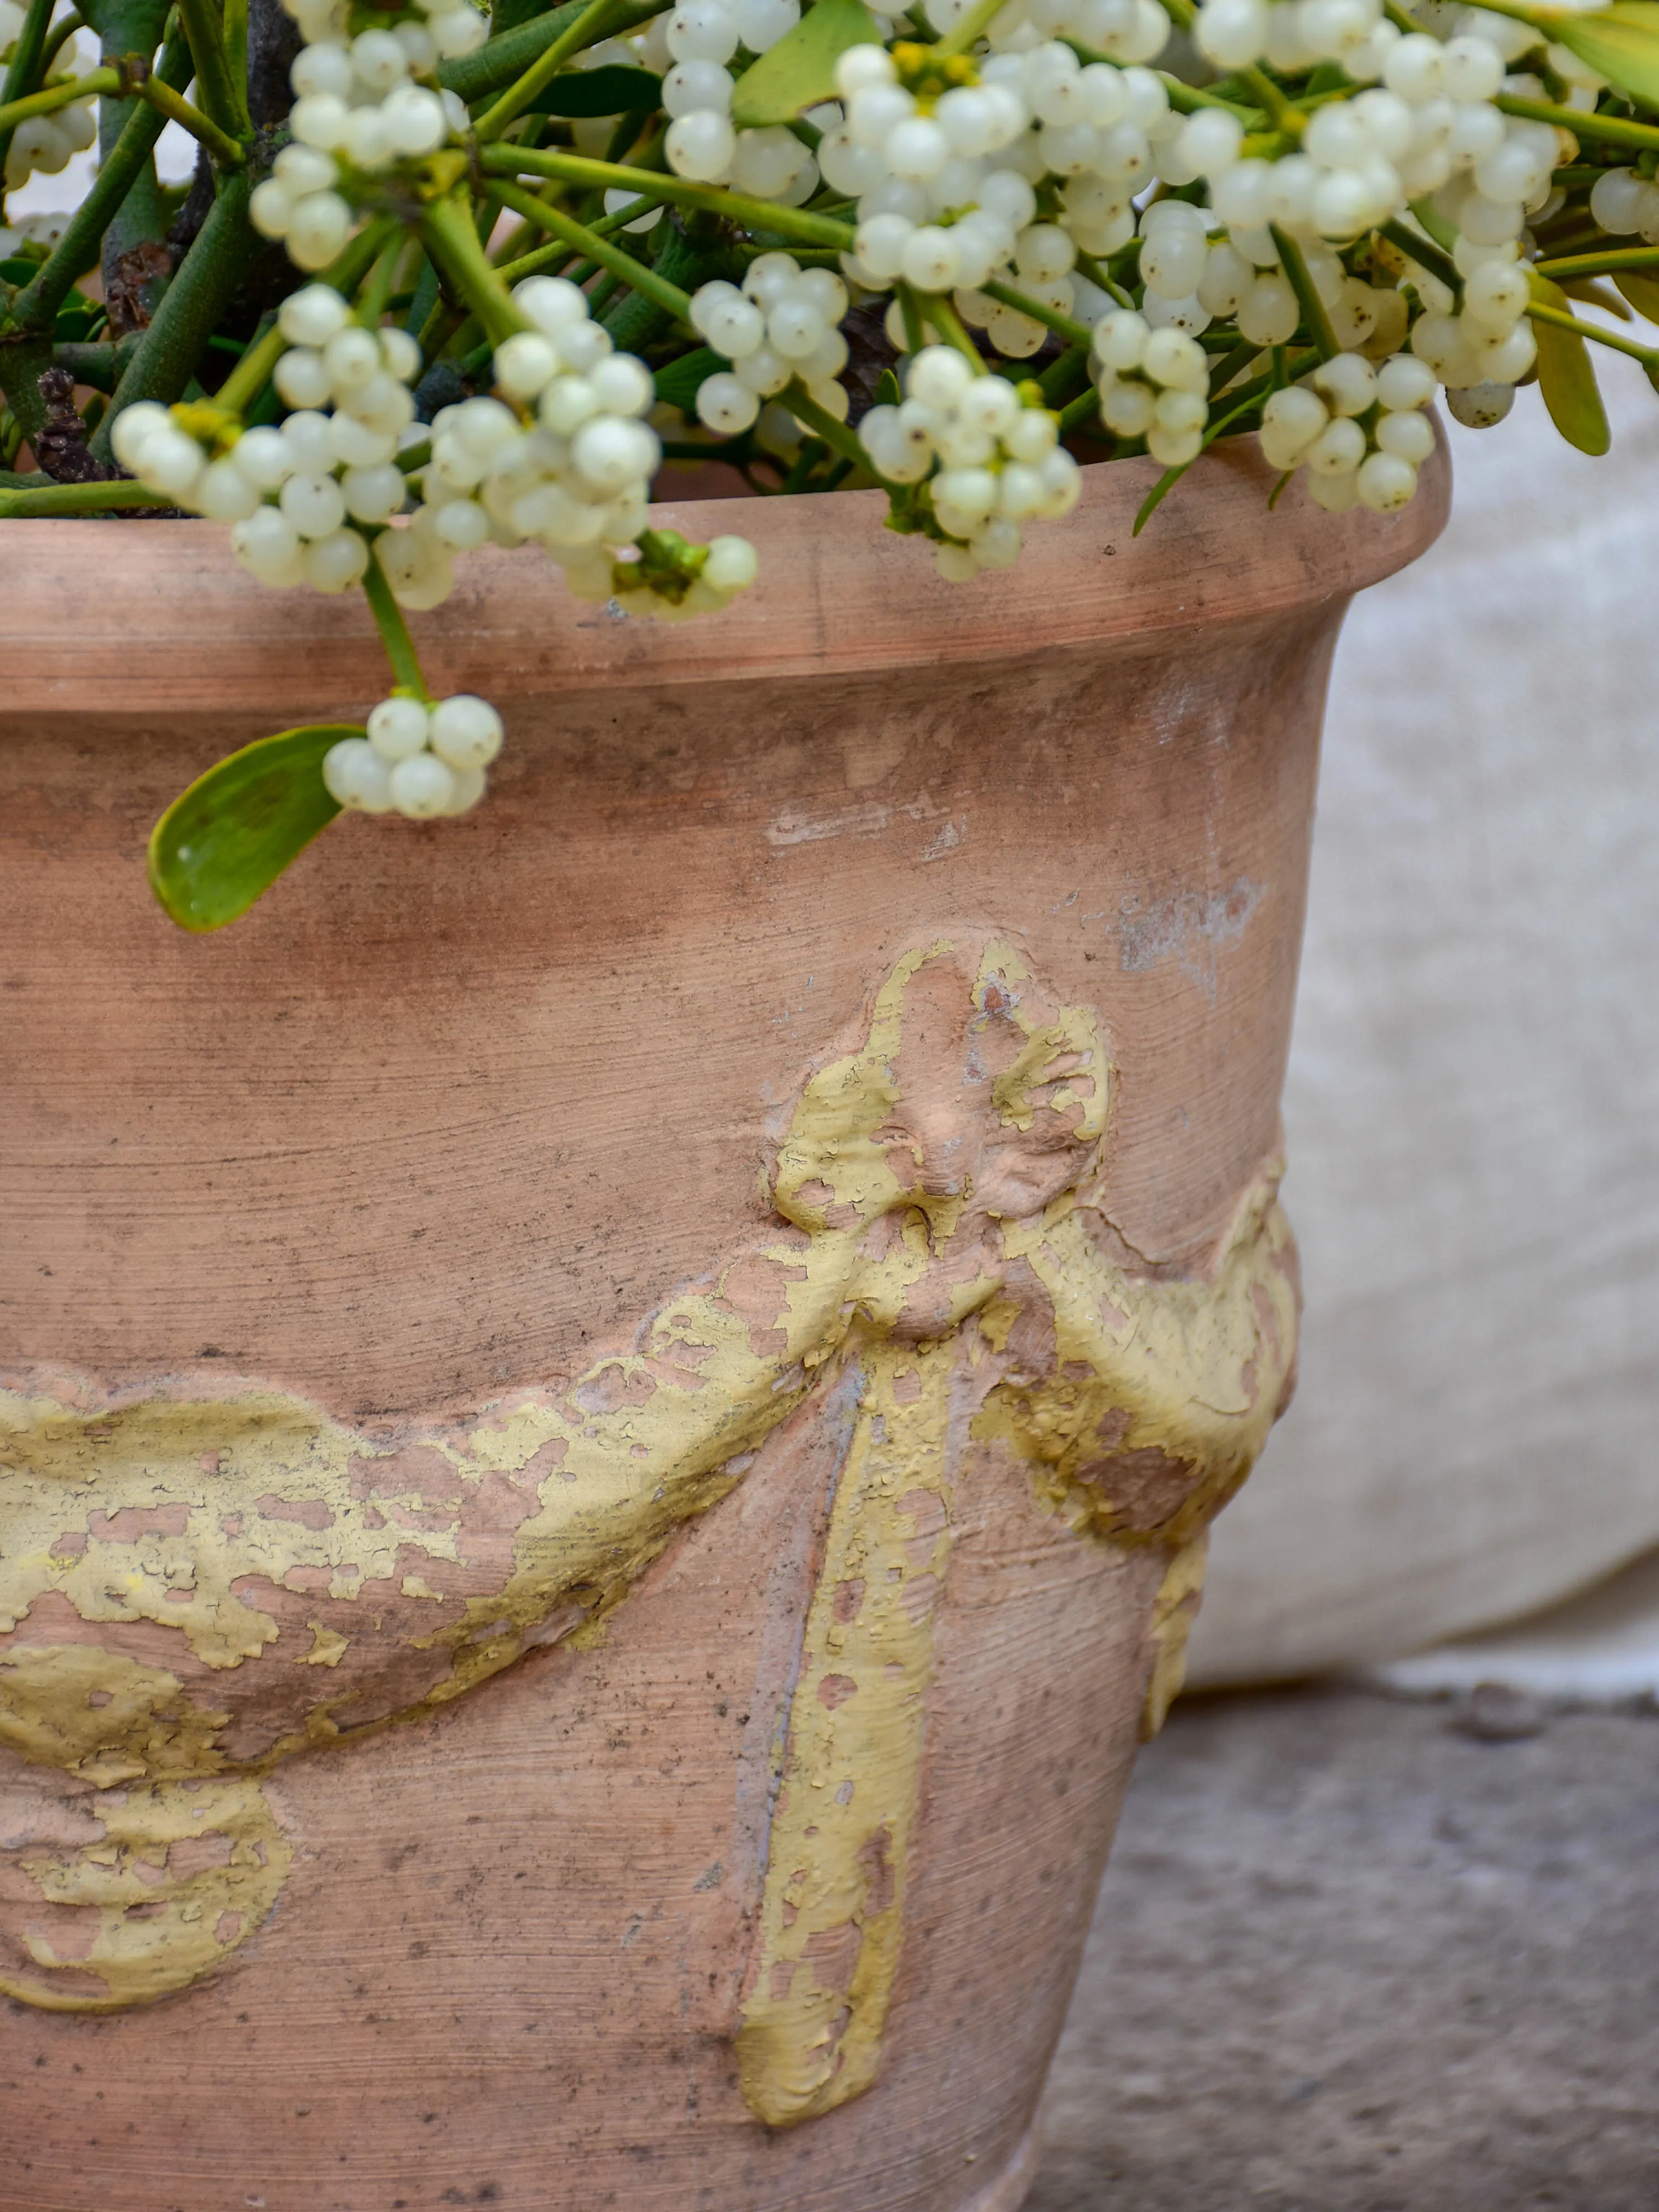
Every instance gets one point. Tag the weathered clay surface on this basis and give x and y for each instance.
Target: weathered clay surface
(440, 1128)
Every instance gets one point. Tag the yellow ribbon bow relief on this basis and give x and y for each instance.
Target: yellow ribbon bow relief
(192, 1590)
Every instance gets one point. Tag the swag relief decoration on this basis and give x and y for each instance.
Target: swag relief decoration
(194, 1588)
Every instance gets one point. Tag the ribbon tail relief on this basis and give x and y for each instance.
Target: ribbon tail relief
(832, 1914)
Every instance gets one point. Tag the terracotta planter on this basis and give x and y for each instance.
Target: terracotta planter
(702, 1312)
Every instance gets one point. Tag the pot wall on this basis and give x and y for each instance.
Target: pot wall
(449, 1116)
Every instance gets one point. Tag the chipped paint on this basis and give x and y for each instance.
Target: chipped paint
(194, 1588)
(1137, 1404)
(1156, 1396)
(1174, 1609)
(177, 1874)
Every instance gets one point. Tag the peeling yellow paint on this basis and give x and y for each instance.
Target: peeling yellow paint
(1136, 1421)
(1174, 1609)
(179, 1874)
(832, 1911)
(928, 1184)
(1160, 1393)
(101, 1715)
(329, 1649)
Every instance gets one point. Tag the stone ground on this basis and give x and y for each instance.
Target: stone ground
(1350, 1957)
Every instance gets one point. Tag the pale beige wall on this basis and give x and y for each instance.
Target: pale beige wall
(1474, 1100)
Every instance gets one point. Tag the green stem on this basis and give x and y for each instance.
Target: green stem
(1065, 326)
(736, 207)
(1076, 413)
(1599, 264)
(36, 305)
(226, 150)
(54, 96)
(69, 499)
(1235, 358)
(1285, 115)
(1103, 277)
(380, 281)
(638, 275)
(222, 96)
(449, 236)
(823, 424)
(60, 36)
(98, 364)
(603, 293)
(1060, 374)
(252, 373)
(809, 454)
(1188, 99)
(242, 387)
(915, 333)
(501, 61)
(227, 153)
(1647, 356)
(1307, 296)
(1423, 251)
(1611, 130)
(235, 37)
(394, 632)
(191, 307)
(555, 256)
(541, 73)
(939, 309)
(971, 29)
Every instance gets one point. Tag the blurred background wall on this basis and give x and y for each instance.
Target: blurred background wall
(1473, 1110)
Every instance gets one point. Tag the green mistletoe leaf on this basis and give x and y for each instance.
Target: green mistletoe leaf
(1620, 42)
(1642, 291)
(611, 89)
(800, 69)
(1566, 377)
(226, 840)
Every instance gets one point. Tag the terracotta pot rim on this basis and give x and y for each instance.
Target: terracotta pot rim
(165, 621)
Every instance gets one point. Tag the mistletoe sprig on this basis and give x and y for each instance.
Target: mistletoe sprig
(443, 282)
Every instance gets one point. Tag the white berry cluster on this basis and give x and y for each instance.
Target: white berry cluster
(1154, 383)
(1623, 201)
(1190, 279)
(946, 181)
(45, 142)
(1294, 36)
(1428, 129)
(1488, 347)
(562, 456)
(293, 492)
(1128, 30)
(701, 36)
(361, 104)
(989, 455)
(1358, 430)
(784, 324)
(417, 758)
